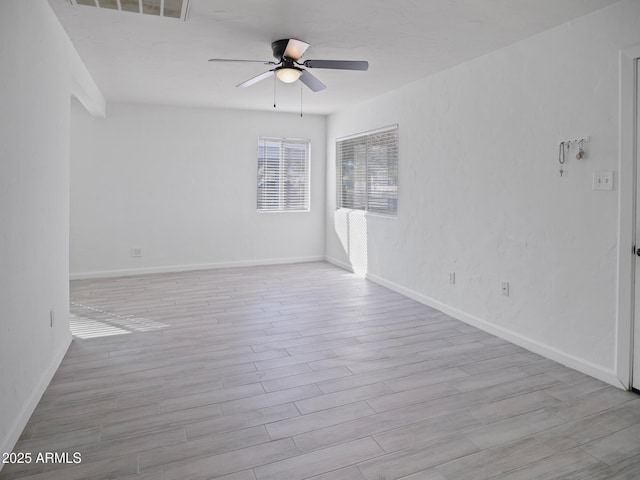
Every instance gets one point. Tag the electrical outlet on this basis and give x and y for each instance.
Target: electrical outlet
(452, 278)
(505, 289)
(136, 252)
(52, 317)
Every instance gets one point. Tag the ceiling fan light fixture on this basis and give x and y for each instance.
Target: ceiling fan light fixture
(287, 67)
(288, 75)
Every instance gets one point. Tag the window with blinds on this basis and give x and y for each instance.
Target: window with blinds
(367, 171)
(283, 175)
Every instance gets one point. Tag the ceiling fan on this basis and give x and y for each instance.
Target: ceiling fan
(288, 69)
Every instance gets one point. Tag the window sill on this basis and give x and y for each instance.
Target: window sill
(283, 211)
(391, 216)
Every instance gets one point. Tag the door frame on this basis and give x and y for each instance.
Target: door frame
(627, 183)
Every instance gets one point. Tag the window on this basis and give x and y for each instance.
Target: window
(367, 171)
(283, 175)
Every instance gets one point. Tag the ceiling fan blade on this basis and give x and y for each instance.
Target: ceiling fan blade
(295, 49)
(312, 82)
(267, 62)
(256, 79)
(338, 64)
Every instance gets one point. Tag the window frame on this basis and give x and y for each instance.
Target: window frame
(364, 196)
(283, 163)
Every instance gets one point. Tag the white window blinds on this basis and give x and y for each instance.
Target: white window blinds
(367, 171)
(283, 174)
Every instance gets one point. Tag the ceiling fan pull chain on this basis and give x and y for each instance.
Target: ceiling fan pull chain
(274, 91)
(301, 99)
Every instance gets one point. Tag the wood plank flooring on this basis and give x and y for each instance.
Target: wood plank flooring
(307, 372)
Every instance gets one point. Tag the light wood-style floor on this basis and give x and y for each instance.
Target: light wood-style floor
(305, 371)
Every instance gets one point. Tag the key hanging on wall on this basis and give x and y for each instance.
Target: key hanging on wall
(565, 148)
(562, 156)
(580, 154)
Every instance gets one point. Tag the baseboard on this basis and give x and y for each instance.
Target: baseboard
(185, 268)
(339, 263)
(30, 405)
(584, 366)
(571, 361)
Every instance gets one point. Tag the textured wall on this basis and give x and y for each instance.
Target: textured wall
(181, 184)
(36, 59)
(481, 195)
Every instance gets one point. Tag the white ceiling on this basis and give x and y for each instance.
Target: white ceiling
(148, 59)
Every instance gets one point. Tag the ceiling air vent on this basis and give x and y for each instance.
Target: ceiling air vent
(161, 8)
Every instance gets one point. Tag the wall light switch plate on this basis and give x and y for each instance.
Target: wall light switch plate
(603, 180)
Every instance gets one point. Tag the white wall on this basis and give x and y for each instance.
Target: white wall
(38, 66)
(180, 183)
(480, 192)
